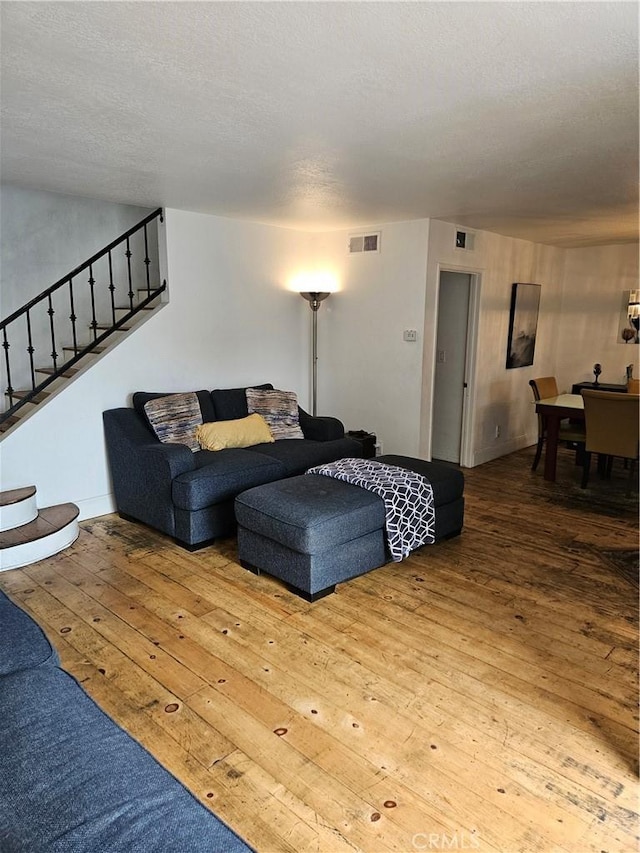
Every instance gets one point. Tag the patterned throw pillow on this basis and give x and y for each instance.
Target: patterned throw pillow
(175, 419)
(279, 409)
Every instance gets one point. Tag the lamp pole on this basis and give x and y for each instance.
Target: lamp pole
(314, 298)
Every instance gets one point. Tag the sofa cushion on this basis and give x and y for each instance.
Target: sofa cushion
(231, 403)
(23, 643)
(279, 409)
(297, 455)
(242, 432)
(175, 419)
(221, 475)
(308, 515)
(72, 780)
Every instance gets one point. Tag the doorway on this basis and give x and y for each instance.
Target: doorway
(451, 421)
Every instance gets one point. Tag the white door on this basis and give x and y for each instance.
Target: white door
(450, 367)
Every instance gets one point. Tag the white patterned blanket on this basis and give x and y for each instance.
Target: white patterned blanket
(408, 500)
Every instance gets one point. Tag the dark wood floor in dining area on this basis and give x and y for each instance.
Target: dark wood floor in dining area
(481, 694)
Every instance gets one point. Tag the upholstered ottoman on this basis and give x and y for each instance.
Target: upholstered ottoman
(313, 532)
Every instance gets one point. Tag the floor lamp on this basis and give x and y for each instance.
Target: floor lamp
(314, 299)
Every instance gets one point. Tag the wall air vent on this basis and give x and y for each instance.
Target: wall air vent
(364, 243)
(465, 240)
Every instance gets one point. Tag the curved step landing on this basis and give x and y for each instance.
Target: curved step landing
(17, 507)
(53, 530)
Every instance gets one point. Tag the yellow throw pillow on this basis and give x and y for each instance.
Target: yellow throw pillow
(243, 432)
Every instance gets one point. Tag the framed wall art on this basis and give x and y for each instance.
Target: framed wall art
(523, 324)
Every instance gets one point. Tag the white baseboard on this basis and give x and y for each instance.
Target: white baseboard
(502, 448)
(93, 507)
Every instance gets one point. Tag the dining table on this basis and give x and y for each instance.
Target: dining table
(555, 409)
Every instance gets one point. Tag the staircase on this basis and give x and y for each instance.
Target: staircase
(28, 534)
(106, 296)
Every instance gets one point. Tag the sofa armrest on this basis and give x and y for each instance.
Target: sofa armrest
(143, 469)
(320, 428)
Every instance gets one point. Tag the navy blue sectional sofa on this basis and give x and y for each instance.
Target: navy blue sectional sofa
(190, 496)
(73, 780)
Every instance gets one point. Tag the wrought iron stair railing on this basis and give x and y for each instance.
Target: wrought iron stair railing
(121, 272)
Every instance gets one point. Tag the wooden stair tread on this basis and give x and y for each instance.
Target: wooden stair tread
(50, 520)
(144, 308)
(81, 347)
(14, 496)
(39, 398)
(9, 422)
(68, 373)
(106, 326)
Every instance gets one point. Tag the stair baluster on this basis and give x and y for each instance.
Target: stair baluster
(54, 355)
(31, 350)
(5, 347)
(73, 317)
(128, 254)
(112, 290)
(147, 259)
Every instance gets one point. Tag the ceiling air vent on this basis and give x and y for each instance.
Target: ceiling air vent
(364, 243)
(465, 240)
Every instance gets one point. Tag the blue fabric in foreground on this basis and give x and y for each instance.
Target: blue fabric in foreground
(23, 643)
(73, 781)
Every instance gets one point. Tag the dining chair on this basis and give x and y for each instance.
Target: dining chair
(612, 423)
(633, 386)
(543, 387)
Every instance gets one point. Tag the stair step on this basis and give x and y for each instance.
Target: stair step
(8, 423)
(105, 326)
(127, 309)
(39, 398)
(80, 347)
(14, 496)
(17, 507)
(68, 373)
(53, 530)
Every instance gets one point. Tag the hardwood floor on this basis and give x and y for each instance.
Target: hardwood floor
(481, 694)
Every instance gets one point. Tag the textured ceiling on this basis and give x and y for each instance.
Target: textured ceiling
(515, 117)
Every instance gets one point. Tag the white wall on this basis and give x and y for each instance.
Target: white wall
(594, 281)
(230, 321)
(500, 396)
(43, 236)
(368, 376)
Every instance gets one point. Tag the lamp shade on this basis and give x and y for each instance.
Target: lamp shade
(314, 298)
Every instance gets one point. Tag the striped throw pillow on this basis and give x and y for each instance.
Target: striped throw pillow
(279, 409)
(175, 419)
